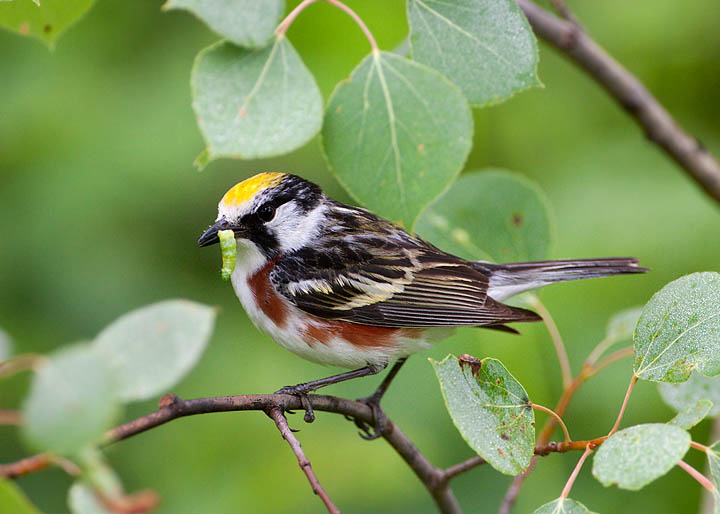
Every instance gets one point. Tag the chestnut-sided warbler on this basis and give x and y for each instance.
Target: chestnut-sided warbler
(338, 285)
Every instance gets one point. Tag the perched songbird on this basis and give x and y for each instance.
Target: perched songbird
(338, 285)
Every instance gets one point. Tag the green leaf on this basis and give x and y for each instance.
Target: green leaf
(490, 409)
(72, 401)
(5, 346)
(635, 456)
(563, 506)
(693, 415)
(713, 456)
(254, 103)
(685, 395)
(248, 23)
(400, 128)
(46, 21)
(152, 348)
(13, 499)
(622, 324)
(485, 46)
(490, 215)
(679, 330)
(82, 499)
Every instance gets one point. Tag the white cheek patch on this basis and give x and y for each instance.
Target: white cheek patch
(293, 229)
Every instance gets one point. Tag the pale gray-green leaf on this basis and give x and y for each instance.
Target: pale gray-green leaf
(563, 506)
(248, 23)
(254, 103)
(490, 409)
(13, 499)
(679, 330)
(400, 128)
(152, 348)
(635, 456)
(485, 46)
(5, 346)
(713, 456)
(692, 415)
(685, 395)
(44, 21)
(82, 499)
(622, 324)
(72, 401)
(491, 215)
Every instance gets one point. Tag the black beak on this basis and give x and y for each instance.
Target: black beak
(210, 237)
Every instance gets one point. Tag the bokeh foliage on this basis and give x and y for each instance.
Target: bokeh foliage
(100, 137)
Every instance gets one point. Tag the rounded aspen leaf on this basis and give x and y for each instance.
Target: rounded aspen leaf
(490, 409)
(484, 46)
(399, 128)
(152, 348)
(563, 506)
(692, 415)
(635, 456)
(685, 395)
(72, 401)
(679, 330)
(254, 103)
(248, 23)
(490, 215)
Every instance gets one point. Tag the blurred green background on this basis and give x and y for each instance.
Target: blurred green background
(100, 209)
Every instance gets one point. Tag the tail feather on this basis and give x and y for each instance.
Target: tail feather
(513, 278)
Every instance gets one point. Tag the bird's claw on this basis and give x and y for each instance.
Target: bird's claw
(301, 391)
(374, 431)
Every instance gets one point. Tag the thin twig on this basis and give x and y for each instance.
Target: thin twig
(25, 466)
(659, 126)
(556, 339)
(278, 417)
(576, 471)
(557, 418)
(23, 362)
(597, 352)
(613, 357)
(564, 11)
(702, 479)
(615, 427)
(462, 467)
(10, 417)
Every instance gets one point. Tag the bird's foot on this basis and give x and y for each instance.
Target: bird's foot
(301, 391)
(367, 431)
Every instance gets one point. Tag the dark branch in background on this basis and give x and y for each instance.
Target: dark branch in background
(630, 93)
(436, 480)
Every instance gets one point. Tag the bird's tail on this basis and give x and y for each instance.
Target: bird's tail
(517, 277)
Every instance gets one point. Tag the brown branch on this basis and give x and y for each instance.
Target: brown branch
(278, 416)
(10, 417)
(172, 407)
(630, 93)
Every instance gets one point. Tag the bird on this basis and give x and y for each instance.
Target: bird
(338, 285)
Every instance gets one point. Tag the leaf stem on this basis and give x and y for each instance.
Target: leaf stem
(613, 357)
(699, 446)
(615, 427)
(597, 352)
(358, 20)
(284, 25)
(576, 471)
(556, 339)
(702, 479)
(556, 416)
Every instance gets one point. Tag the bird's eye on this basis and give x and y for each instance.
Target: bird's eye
(266, 212)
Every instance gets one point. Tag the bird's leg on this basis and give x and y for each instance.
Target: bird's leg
(302, 390)
(373, 401)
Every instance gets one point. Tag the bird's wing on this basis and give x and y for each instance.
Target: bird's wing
(401, 282)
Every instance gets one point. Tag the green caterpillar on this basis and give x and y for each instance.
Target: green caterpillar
(228, 246)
